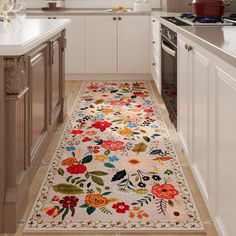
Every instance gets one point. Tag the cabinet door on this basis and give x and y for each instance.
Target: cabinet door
(133, 44)
(38, 85)
(200, 120)
(55, 79)
(224, 148)
(101, 44)
(183, 86)
(75, 45)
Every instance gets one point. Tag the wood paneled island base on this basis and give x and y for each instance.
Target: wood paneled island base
(31, 106)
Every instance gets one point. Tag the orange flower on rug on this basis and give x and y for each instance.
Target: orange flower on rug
(115, 168)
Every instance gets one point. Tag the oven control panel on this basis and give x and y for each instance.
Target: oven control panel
(169, 34)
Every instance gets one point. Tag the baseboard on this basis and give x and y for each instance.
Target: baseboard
(184, 146)
(127, 77)
(220, 226)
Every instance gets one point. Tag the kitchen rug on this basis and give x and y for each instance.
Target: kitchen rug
(115, 168)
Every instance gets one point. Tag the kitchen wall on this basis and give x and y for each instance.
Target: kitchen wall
(91, 3)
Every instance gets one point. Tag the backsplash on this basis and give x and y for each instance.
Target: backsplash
(91, 3)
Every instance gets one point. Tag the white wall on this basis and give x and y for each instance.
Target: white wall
(91, 3)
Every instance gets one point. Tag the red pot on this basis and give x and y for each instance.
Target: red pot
(208, 8)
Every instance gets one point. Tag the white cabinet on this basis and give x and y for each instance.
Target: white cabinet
(117, 44)
(101, 44)
(133, 44)
(207, 127)
(155, 52)
(75, 45)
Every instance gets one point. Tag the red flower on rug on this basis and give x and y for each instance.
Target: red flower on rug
(86, 139)
(166, 191)
(51, 211)
(140, 94)
(120, 207)
(113, 145)
(102, 125)
(148, 110)
(76, 169)
(77, 131)
(69, 201)
(117, 103)
(93, 87)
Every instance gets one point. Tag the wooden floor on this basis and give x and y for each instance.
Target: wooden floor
(72, 88)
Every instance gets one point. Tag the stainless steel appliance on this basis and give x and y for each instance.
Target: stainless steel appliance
(169, 71)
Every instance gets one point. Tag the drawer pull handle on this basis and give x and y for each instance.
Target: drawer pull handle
(119, 18)
(114, 18)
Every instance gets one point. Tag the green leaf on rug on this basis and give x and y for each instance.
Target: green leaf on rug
(140, 147)
(99, 173)
(119, 175)
(156, 152)
(87, 159)
(90, 210)
(72, 209)
(65, 213)
(99, 190)
(67, 189)
(84, 206)
(109, 165)
(60, 171)
(97, 180)
(107, 152)
(106, 193)
(147, 139)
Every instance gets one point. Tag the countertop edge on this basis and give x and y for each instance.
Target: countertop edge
(217, 51)
(20, 49)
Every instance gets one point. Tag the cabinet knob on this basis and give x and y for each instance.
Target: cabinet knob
(119, 18)
(190, 48)
(153, 63)
(54, 18)
(153, 42)
(49, 18)
(153, 21)
(186, 46)
(114, 18)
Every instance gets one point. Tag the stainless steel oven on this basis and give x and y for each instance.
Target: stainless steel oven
(169, 71)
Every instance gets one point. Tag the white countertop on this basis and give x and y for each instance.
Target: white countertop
(220, 40)
(19, 40)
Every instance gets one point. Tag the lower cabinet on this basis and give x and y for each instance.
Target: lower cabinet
(38, 79)
(206, 126)
(33, 106)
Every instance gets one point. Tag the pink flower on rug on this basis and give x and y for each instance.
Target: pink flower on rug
(166, 191)
(113, 145)
(102, 125)
(120, 207)
(117, 103)
(93, 87)
(51, 211)
(77, 131)
(76, 169)
(69, 201)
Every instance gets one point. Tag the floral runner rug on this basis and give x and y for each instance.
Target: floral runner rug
(115, 168)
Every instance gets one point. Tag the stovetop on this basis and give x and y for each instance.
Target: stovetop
(188, 19)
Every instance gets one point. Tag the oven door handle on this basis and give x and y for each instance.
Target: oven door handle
(168, 50)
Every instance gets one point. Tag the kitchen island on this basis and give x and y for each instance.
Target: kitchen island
(31, 105)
